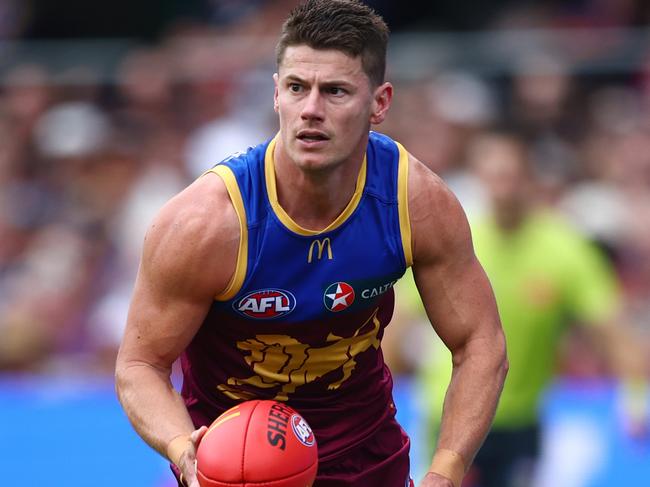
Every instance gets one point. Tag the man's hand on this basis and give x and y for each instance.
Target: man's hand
(187, 461)
(434, 480)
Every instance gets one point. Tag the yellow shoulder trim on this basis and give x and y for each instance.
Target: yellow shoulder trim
(283, 216)
(403, 204)
(237, 279)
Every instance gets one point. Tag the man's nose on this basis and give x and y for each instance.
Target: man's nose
(314, 107)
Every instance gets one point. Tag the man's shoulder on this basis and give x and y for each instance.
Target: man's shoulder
(427, 188)
(434, 210)
(200, 214)
(189, 230)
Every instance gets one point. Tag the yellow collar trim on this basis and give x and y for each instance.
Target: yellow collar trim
(287, 221)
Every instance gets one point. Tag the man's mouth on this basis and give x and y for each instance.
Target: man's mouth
(311, 136)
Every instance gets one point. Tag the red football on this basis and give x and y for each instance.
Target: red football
(258, 443)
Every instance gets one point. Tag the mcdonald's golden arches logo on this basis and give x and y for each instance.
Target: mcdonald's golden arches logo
(320, 246)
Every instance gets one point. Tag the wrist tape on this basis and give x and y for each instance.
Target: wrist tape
(448, 464)
(176, 447)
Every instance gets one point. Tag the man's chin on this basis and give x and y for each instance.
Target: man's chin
(314, 162)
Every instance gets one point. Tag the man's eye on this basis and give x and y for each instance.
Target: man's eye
(335, 90)
(295, 87)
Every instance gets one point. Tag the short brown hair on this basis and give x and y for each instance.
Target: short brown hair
(344, 25)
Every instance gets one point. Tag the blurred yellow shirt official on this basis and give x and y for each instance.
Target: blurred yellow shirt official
(545, 277)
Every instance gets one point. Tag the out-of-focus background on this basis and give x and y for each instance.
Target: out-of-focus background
(109, 108)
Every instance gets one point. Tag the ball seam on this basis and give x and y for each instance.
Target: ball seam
(248, 422)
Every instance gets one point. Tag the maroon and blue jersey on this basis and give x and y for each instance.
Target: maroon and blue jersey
(302, 318)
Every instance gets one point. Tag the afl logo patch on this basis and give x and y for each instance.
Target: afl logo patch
(338, 296)
(302, 430)
(266, 304)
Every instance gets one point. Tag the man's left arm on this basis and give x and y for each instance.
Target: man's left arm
(460, 304)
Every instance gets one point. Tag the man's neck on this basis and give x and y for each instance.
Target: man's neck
(314, 199)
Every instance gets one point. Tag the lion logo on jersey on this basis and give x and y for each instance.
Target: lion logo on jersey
(282, 361)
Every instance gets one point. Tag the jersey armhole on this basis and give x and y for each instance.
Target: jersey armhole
(403, 204)
(237, 279)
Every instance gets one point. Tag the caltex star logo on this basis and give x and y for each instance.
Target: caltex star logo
(338, 296)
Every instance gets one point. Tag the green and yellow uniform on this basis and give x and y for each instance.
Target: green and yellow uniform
(545, 276)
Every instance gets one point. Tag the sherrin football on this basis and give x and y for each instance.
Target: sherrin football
(258, 442)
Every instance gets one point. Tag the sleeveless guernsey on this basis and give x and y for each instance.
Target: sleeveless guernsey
(302, 319)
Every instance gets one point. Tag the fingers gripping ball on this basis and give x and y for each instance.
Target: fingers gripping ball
(258, 443)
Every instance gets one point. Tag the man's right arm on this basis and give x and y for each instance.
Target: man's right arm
(188, 257)
(460, 304)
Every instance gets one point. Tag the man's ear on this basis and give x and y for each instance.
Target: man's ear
(382, 98)
(275, 92)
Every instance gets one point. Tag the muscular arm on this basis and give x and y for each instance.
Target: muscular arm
(188, 257)
(460, 304)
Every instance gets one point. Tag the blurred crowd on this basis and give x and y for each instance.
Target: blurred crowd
(86, 161)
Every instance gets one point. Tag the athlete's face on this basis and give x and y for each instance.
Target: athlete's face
(326, 104)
